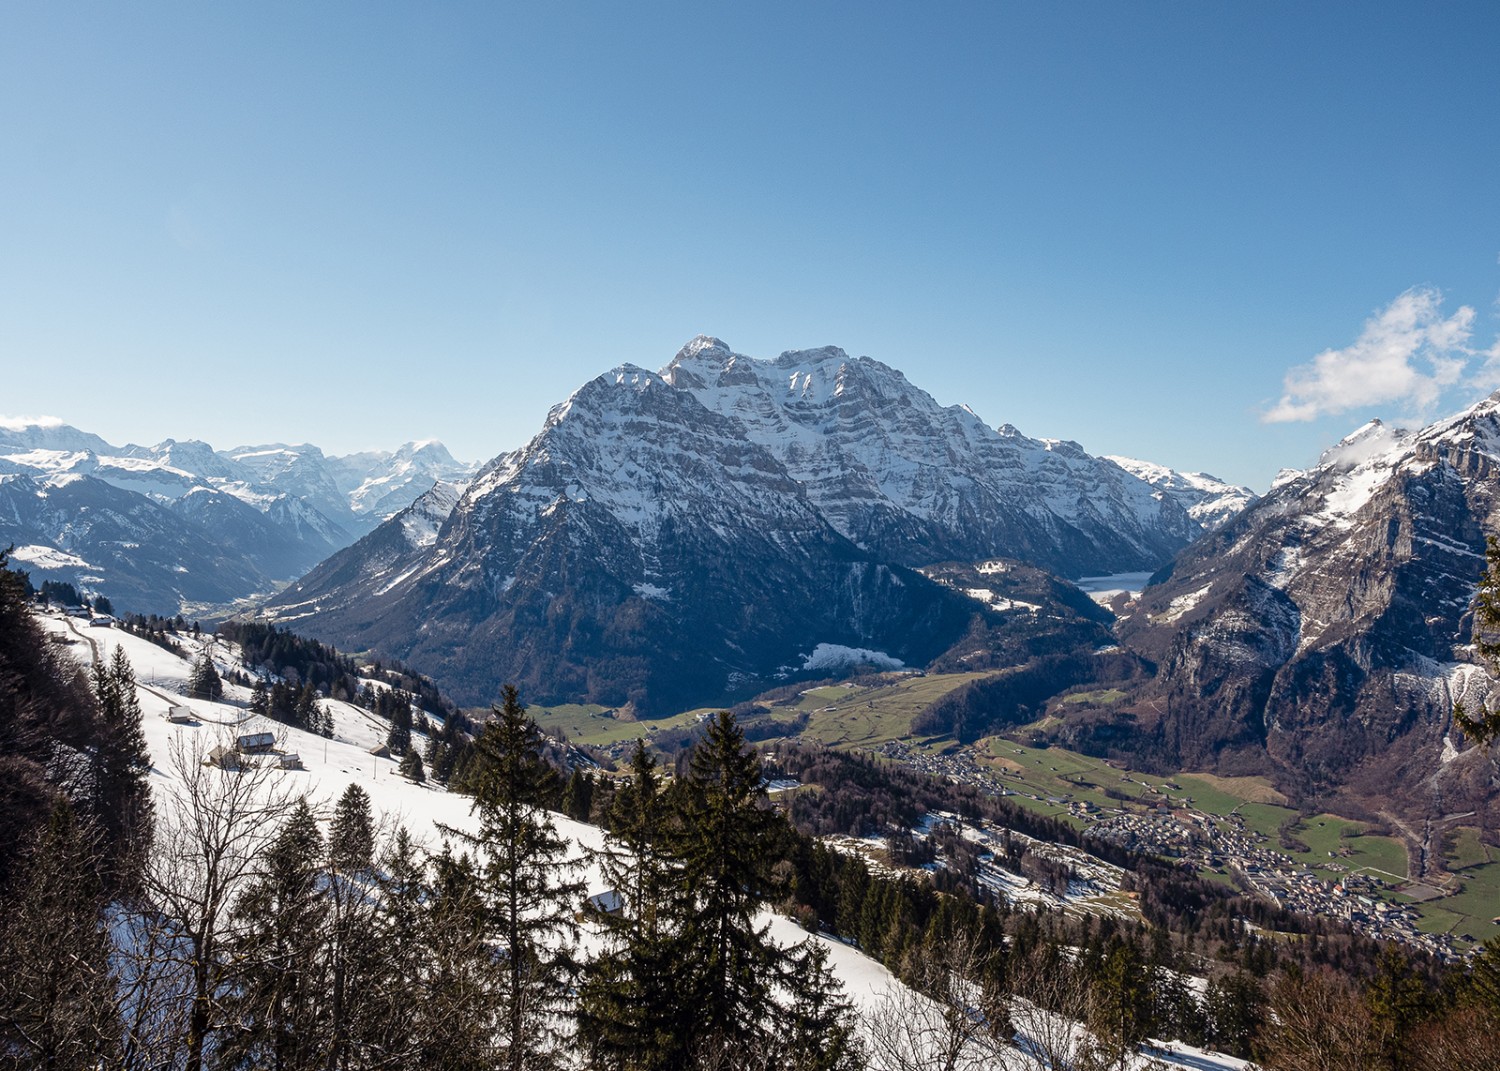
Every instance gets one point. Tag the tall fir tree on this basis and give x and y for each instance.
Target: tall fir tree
(399, 737)
(726, 836)
(818, 1023)
(204, 681)
(525, 882)
(279, 1007)
(356, 964)
(120, 764)
(411, 766)
(58, 1001)
(633, 1010)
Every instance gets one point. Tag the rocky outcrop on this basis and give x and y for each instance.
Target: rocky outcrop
(1325, 632)
(916, 482)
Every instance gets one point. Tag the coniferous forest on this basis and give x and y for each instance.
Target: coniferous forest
(234, 925)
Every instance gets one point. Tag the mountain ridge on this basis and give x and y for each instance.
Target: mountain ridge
(275, 518)
(691, 534)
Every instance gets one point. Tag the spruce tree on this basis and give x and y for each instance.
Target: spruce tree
(278, 1008)
(527, 894)
(357, 966)
(260, 702)
(204, 681)
(58, 1006)
(728, 833)
(817, 1026)
(411, 766)
(578, 796)
(307, 715)
(351, 839)
(120, 764)
(399, 737)
(633, 1011)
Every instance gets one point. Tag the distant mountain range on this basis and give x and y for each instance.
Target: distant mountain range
(1208, 500)
(699, 532)
(179, 525)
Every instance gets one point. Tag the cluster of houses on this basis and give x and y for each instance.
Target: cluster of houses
(252, 749)
(1224, 845)
(1220, 844)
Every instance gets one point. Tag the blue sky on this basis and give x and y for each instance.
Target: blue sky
(1124, 224)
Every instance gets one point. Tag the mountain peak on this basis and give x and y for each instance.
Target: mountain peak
(820, 355)
(700, 344)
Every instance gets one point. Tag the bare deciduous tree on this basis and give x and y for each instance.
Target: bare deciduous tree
(1319, 1023)
(214, 823)
(949, 1019)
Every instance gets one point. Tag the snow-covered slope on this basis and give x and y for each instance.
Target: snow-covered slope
(332, 765)
(1207, 499)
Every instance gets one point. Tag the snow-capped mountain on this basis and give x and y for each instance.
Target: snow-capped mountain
(916, 482)
(1327, 627)
(688, 535)
(1207, 499)
(641, 549)
(143, 554)
(242, 521)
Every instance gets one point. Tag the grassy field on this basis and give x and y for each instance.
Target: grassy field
(840, 715)
(847, 715)
(586, 723)
(1464, 849)
(1103, 698)
(1477, 904)
(1249, 789)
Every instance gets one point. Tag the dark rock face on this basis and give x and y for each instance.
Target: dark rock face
(1324, 633)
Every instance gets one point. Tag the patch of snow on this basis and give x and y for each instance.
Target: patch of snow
(1183, 604)
(652, 591)
(41, 557)
(835, 656)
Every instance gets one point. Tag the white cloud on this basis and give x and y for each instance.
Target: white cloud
(1407, 352)
(19, 423)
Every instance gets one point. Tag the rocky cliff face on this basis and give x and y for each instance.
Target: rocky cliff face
(915, 482)
(639, 550)
(1324, 632)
